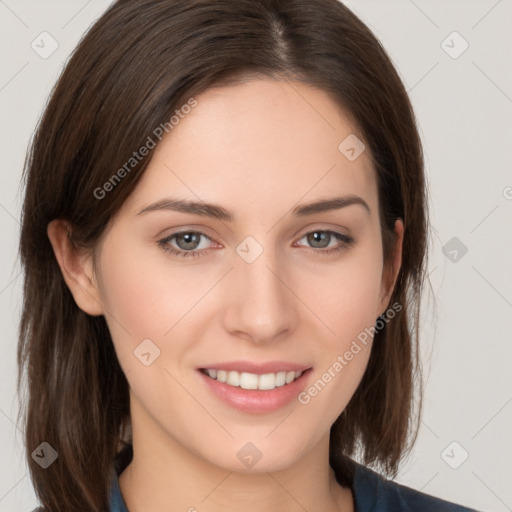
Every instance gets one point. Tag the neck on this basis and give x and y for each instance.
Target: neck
(164, 472)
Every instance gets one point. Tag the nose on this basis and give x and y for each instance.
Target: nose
(262, 305)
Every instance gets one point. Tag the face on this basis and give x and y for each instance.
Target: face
(263, 287)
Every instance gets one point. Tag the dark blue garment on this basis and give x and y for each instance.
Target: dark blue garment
(372, 493)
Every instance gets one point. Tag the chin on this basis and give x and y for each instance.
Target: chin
(248, 457)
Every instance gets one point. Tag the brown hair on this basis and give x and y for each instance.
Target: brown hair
(135, 66)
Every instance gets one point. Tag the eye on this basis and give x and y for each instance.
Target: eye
(320, 239)
(187, 243)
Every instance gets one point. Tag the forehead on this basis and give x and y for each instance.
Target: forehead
(256, 143)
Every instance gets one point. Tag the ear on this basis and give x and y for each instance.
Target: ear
(392, 268)
(76, 266)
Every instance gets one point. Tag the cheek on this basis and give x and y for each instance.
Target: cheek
(131, 294)
(345, 295)
(148, 307)
(135, 290)
(345, 299)
(145, 296)
(346, 302)
(334, 384)
(130, 297)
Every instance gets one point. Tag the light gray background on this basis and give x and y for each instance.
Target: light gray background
(463, 106)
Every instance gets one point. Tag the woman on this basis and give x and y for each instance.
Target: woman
(224, 239)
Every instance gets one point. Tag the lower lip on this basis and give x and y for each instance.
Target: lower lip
(254, 400)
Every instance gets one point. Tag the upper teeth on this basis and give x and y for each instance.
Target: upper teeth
(246, 380)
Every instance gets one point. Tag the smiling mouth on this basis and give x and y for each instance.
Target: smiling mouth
(246, 380)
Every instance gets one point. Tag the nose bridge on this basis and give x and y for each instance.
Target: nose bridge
(261, 304)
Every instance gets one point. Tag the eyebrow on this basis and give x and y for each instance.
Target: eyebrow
(218, 212)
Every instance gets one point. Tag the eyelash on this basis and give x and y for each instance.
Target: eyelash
(345, 242)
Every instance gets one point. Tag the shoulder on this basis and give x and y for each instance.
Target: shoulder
(374, 493)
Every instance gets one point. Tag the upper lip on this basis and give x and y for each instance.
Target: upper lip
(257, 368)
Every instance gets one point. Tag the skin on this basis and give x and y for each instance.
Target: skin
(258, 149)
